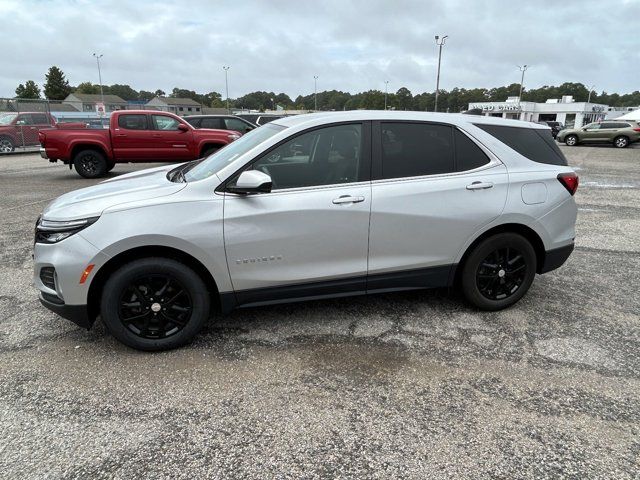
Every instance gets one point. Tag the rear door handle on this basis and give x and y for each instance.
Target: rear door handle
(479, 186)
(347, 199)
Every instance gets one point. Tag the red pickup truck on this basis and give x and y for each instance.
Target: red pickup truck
(21, 129)
(133, 136)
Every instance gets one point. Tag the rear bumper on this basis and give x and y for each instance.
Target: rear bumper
(43, 152)
(555, 258)
(78, 314)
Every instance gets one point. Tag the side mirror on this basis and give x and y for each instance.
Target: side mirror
(252, 181)
(182, 127)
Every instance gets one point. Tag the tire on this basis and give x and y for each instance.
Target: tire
(621, 142)
(134, 313)
(110, 166)
(208, 151)
(490, 282)
(571, 140)
(6, 145)
(90, 164)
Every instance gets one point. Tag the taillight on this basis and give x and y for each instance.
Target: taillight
(636, 129)
(569, 181)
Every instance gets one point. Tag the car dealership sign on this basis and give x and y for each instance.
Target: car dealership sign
(504, 107)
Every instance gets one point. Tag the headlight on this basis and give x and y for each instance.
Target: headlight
(53, 231)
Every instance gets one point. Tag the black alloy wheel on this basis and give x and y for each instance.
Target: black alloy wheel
(501, 273)
(155, 306)
(90, 164)
(498, 271)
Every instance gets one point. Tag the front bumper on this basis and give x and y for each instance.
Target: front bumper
(78, 314)
(555, 258)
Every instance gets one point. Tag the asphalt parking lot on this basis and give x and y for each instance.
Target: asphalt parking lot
(413, 385)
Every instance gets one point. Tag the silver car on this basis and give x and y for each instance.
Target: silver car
(309, 207)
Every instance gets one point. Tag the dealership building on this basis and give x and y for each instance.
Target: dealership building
(564, 110)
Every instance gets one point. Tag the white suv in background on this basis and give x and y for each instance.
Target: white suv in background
(309, 207)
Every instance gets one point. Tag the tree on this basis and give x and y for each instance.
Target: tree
(145, 95)
(88, 87)
(123, 91)
(159, 93)
(56, 86)
(29, 90)
(403, 99)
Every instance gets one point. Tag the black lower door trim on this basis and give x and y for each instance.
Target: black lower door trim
(430, 277)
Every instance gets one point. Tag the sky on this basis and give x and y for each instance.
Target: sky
(354, 46)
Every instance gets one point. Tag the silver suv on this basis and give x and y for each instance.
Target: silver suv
(309, 207)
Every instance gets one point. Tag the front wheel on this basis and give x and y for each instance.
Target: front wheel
(621, 142)
(90, 164)
(499, 271)
(208, 151)
(6, 145)
(154, 304)
(571, 140)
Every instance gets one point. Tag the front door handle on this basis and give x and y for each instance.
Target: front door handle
(347, 199)
(479, 186)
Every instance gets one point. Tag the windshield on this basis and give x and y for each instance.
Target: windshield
(223, 157)
(6, 118)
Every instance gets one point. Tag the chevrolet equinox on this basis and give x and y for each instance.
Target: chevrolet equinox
(309, 207)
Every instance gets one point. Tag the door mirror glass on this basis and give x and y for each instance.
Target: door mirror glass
(251, 181)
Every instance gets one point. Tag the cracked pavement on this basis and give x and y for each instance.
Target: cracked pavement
(410, 385)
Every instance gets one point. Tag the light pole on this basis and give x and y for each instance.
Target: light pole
(273, 105)
(98, 57)
(386, 89)
(315, 93)
(440, 41)
(226, 85)
(590, 90)
(523, 69)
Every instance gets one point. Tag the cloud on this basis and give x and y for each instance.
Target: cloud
(353, 46)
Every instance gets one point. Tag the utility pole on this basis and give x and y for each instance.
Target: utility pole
(226, 84)
(440, 41)
(98, 57)
(386, 88)
(315, 93)
(590, 90)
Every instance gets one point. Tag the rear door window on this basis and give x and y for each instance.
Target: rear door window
(468, 155)
(533, 143)
(236, 124)
(133, 122)
(40, 119)
(212, 123)
(416, 149)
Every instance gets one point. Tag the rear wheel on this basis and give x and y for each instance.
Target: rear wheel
(6, 145)
(621, 141)
(499, 271)
(571, 140)
(154, 304)
(90, 164)
(110, 166)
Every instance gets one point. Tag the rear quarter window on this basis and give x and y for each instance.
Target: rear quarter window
(535, 144)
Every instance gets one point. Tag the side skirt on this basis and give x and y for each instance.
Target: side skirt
(422, 278)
